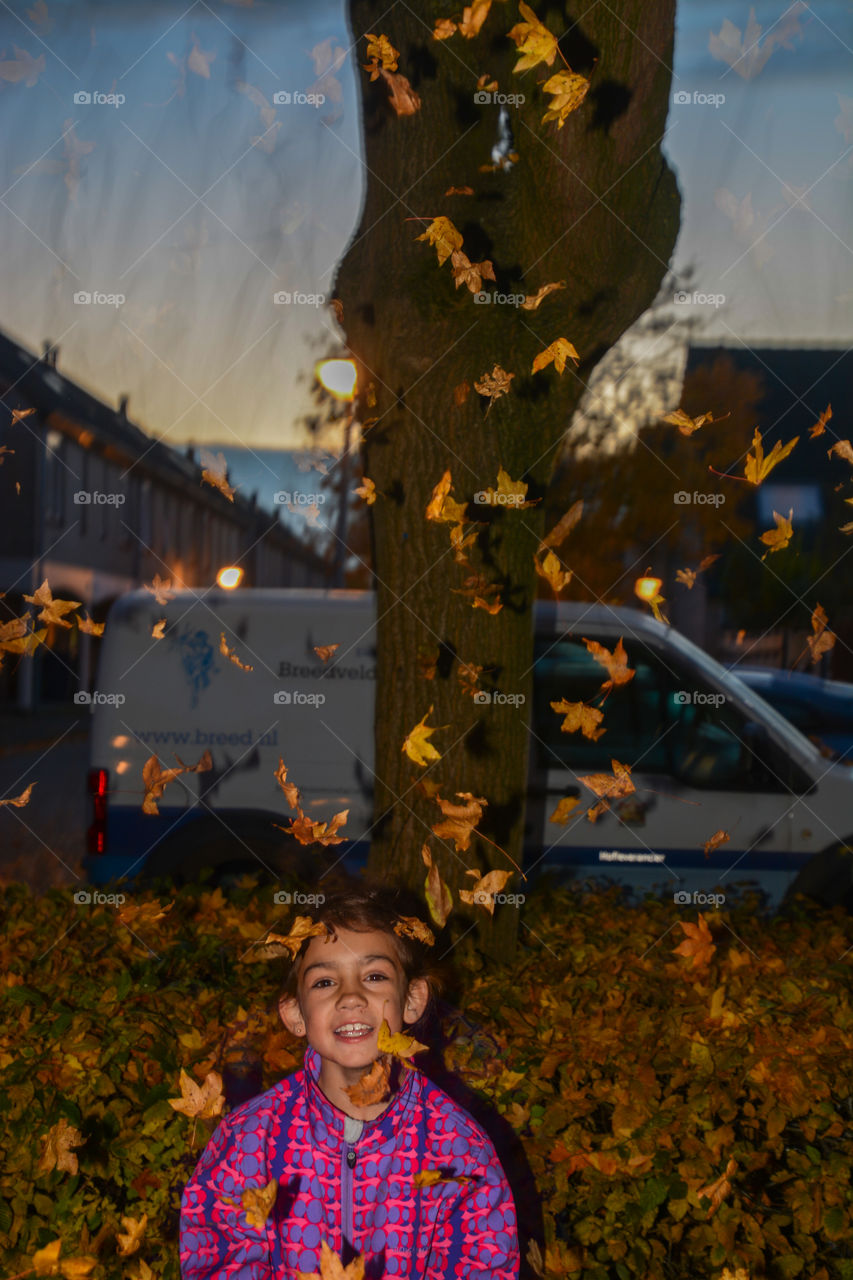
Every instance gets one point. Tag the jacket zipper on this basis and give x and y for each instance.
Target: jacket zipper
(347, 1166)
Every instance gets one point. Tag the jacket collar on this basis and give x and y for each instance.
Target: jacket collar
(327, 1121)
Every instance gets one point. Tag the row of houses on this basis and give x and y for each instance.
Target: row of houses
(96, 506)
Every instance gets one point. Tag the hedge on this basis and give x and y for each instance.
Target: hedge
(671, 1095)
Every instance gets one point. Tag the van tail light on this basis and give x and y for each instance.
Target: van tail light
(97, 783)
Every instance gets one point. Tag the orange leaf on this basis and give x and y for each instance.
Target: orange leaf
(381, 55)
(698, 944)
(229, 653)
(366, 490)
(303, 927)
(559, 351)
(52, 610)
(374, 1086)
(820, 426)
(403, 98)
(214, 472)
(563, 809)
(482, 894)
(533, 300)
(325, 651)
(22, 799)
(308, 832)
(494, 384)
(606, 784)
(615, 662)
(579, 716)
(156, 778)
(687, 425)
(470, 273)
(200, 1101)
(842, 447)
(412, 927)
(442, 233)
(777, 539)
(290, 789)
(160, 588)
(718, 838)
(822, 640)
(757, 466)
(399, 1045)
(460, 820)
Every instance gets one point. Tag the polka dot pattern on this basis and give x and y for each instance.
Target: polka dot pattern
(449, 1231)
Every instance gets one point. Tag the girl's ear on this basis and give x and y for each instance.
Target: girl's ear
(417, 997)
(291, 1015)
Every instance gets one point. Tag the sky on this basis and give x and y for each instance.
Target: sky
(184, 199)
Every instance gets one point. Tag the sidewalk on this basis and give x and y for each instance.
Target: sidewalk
(22, 731)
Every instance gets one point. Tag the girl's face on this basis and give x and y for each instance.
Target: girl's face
(347, 985)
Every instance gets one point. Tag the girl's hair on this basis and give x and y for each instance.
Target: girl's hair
(365, 909)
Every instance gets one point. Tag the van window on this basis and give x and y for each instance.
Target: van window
(662, 721)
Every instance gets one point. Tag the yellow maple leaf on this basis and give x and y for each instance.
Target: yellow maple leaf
(90, 627)
(579, 716)
(560, 816)
(473, 17)
(616, 663)
(553, 572)
(482, 894)
(778, 538)
(381, 55)
(441, 507)
(332, 1267)
(494, 384)
(442, 233)
(509, 493)
(758, 467)
(367, 490)
(417, 745)
(568, 91)
(132, 1239)
(533, 40)
(559, 351)
(52, 610)
(303, 927)
(470, 273)
(698, 945)
(399, 1045)
(533, 300)
(257, 1203)
(199, 1101)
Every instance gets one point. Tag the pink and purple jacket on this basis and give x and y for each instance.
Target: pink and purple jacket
(359, 1197)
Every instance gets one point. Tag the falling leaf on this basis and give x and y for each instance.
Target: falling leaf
(438, 897)
(822, 640)
(156, 778)
(460, 541)
(90, 628)
(460, 820)
(4, 449)
(744, 54)
(325, 651)
(559, 351)
(444, 29)
(161, 589)
(757, 466)
(374, 1086)
(698, 945)
(718, 838)
(579, 716)
(778, 538)
(257, 1203)
(427, 662)
(381, 55)
(24, 69)
(441, 507)
(468, 675)
(568, 91)
(417, 745)
(158, 629)
(533, 300)
(303, 927)
(199, 60)
(18, 415)
(820, 426)
(482, 894)
(842, 447)
(563, 527)
(687, 425)
(399, 1045)
(688, 576)
(307, 831)
(412, 927)
(563, 809)
(52, 610)
(58, 1153)
(533, 40)
(615, 662)
(290, 789)
(473, 17)
(214, 472)
(367, 490)
(494, 384)
(202, 1101)
(461, 392)
(22, 799)
(485, 82)
(509, 493)
(470, 273)
(229, 653)
(455, 191)
(618, 783)
(553, 572)
(132, 1239)
(442, 233)
(403, 98)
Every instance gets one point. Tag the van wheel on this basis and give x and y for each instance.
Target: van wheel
(827, 878)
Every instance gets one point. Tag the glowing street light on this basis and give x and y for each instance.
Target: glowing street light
(338, 377)
(648, 589)
(229, 577)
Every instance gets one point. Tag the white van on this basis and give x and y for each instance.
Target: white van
(707, 753)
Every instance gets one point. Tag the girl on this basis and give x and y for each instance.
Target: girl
(345, 1169)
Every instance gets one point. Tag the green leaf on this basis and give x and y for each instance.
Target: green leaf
(814, 1155)
(834, 1222)
(654, 1192)
(5, 1217)
(788, 1264)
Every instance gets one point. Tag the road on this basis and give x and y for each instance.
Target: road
(42, 843)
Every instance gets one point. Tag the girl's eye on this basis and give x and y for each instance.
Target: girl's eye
(383, 977)
(320, 981)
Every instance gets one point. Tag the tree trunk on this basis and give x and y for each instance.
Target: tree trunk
(592, 204)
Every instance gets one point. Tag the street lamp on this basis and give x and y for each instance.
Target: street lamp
(647, 588)
(339, 377)
(229, 577)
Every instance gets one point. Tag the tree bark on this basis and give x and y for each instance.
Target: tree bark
(592, 204)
